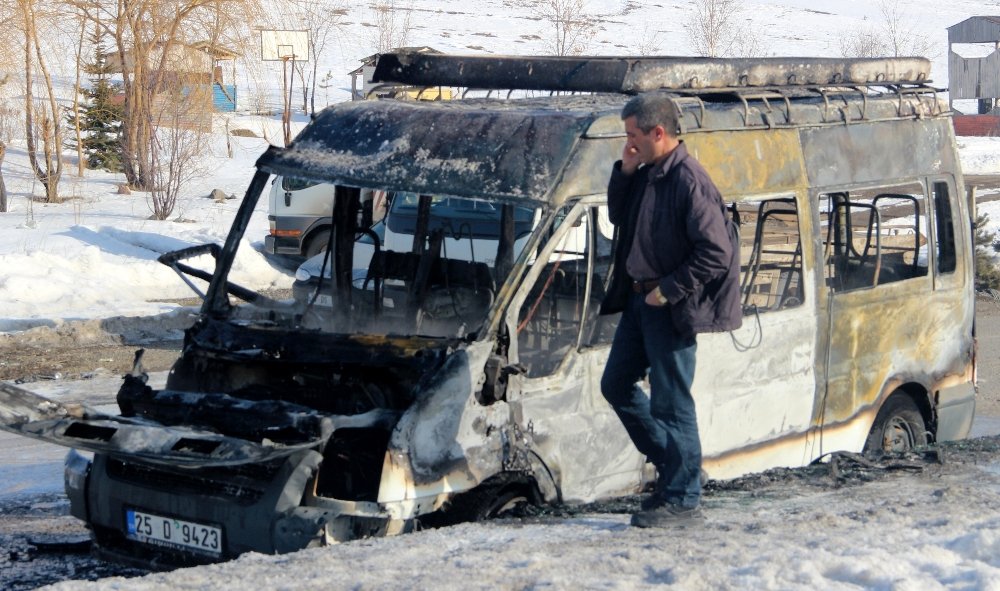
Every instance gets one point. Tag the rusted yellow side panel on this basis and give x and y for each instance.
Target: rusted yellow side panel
(749, 163)
(884, 337)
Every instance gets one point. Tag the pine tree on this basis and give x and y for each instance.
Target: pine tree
(101, 116)
(987, 273)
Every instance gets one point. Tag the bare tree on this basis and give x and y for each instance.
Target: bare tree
(177, 151)
(8, 123)
(718, 28)
(41, 116)
(9, 114)
(305, 79)
(392, 25)
(649, 43)
(322, 19)
(81, 160)
(863, 43)
(572, 27)
(894, 36)
(148, 34)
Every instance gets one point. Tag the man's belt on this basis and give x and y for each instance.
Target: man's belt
(645, 286)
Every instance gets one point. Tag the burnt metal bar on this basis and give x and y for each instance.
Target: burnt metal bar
(632, 75)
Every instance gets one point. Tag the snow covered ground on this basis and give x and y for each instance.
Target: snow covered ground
(935, 530)
(94, 255)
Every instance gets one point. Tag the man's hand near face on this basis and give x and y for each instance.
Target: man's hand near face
(630, 159)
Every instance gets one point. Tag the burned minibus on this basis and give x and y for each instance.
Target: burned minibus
(438, 387)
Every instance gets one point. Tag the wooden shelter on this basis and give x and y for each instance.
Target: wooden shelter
(190, 85)
(978, 77)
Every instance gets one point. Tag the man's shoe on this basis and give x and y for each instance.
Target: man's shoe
(653, 501)
(668, 515)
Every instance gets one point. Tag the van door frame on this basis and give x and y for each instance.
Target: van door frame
(563, 414)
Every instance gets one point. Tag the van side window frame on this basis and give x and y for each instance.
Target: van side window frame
(292, 184)
(771, 275)
(863, 245)
(541, 290)
(943, 227)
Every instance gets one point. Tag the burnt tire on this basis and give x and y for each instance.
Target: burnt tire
(487, 501)
(898, 427)
(317, 243)
(502, 505)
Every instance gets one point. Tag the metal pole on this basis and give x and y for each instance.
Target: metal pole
(286, 117)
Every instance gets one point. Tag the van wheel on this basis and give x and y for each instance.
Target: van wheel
(507, 501)
(898, 427)
(488, 502)
(317, 243)
(485, 502)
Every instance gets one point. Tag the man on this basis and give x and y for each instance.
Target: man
(676, 275)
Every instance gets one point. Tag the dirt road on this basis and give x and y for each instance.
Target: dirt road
(988, 356)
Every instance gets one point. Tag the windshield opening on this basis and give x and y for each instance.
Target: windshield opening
(431, 267)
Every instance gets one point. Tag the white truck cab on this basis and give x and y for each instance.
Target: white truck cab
(298, 215)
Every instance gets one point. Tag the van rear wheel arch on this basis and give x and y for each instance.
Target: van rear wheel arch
(492, 498)
(902, 423)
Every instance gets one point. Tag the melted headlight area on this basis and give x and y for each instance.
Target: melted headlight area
(346, 393)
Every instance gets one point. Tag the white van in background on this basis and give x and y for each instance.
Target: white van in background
(298, 215)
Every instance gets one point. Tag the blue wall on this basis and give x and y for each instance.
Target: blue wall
(220, 100)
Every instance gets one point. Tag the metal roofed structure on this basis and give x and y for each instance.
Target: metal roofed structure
(510, 150)
(974, 77)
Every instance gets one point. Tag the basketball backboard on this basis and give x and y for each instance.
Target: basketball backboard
(277, 45)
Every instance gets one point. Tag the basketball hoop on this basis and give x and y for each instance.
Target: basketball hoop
(280, 46)
(285, 46)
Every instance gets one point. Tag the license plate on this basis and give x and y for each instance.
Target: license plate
(173, 533)
(324, 300)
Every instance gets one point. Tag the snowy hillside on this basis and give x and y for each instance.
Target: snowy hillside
(631, 27)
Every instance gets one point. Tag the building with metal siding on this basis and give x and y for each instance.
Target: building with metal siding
(974, 78)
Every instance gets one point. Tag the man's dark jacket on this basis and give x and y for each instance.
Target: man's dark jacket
(696, 257)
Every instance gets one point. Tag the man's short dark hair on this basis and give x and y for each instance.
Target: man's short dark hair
(652, 109)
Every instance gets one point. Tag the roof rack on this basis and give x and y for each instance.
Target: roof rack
(632, 75)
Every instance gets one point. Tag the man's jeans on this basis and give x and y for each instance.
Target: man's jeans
(664, 425)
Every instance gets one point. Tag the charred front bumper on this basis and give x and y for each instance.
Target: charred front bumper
(156, 516)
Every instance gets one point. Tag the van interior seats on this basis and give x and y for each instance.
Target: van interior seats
(772, 277)
(864, 251)
(428, 287)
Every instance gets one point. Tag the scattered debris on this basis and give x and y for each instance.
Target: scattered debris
(219, 195)
(77, 545)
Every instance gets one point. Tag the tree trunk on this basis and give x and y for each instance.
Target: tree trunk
(312, 94)
(3, 186)
(81, 162)
(53, 138)
(50, 131)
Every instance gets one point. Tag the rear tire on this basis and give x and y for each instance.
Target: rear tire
(317, 243)
(898, 427)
